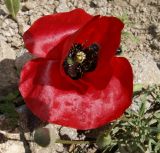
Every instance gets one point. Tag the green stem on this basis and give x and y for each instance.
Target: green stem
(107, 132)
(73, 141)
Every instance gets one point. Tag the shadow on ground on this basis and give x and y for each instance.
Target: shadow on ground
(26, 121)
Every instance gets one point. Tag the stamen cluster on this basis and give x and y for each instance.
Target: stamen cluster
(81, 60)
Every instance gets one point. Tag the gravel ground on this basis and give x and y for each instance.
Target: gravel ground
(140, 44)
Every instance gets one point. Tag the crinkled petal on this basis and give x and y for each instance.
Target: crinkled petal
(70, 108)
(48, 31)
(106, 33)
(44, 72)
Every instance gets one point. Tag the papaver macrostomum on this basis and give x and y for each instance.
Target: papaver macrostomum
(76, 79)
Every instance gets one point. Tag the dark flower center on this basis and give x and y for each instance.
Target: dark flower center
(81, 60)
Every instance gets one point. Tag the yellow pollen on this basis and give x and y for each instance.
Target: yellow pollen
(80, 57)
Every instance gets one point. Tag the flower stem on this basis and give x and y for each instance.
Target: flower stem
(74, 141)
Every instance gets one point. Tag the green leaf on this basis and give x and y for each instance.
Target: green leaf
(151, 141)
(137, 87)
(157, 114)
(157, 148)
(143, 105)
(115, 130)
(122, 149)
(152, 121)
(13, 7)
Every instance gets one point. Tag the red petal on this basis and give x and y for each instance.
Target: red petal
(69, 108)
(106, 32)
(44, 72)
(48, 31)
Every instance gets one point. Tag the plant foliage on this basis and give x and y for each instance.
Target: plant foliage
(13, 7)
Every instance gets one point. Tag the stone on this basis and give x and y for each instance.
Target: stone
(6, 52)
(8, 74)
(69, 132)
(35, 17)
(15, 42)
(30, 5)
(145, 68)
(6, 33)
(13, 146)
(121, 3)
(1, 23)
(62, 7)
(134, 2)
(2, 38)
(91, 11)
(2, 12)
(21, 60)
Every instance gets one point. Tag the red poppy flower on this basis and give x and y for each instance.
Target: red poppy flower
(76, 80)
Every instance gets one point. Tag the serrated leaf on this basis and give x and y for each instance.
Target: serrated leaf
(157, 114)
(143, 105)
(157, 148)
(13, 7)
(152, 121)
(151, 141)
(115, 130)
